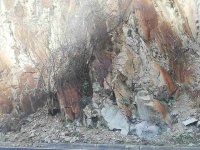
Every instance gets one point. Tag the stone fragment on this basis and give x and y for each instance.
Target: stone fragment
(146, 130)
(190, 121)
(32, 135)
(74, 139)
(114, 118)
(2, 137)
(141, 99)
(47, 140)
(198, 124)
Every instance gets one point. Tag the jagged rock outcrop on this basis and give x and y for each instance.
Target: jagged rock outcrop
(55, 50)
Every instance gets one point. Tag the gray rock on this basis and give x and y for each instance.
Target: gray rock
(96, 87)
(47, 140)
(198, 124)
(190, 131)
(141, 99)
(90, 114)
(191, 144)
(29, 119)
(74, 139)
(2, 137)
(114, 118)
(146, 130)
(32, 135)
(190, 121)
(55, 141)
(67, 138)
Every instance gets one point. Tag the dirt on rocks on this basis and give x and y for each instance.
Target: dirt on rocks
(41, 128)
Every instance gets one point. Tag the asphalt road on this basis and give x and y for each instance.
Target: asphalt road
(98, 147)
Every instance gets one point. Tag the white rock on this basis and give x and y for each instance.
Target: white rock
(67, 138)
(190, 121)
(115, 119)
(2, 137)
(198, 124)
(47, 140)
(74, 139)
(147, 130)
(141, 99)
(32, 135)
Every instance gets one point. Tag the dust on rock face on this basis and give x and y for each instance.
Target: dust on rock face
(40, 128)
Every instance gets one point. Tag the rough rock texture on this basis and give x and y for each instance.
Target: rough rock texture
(145, 130)
(54, 52)
(115, 119)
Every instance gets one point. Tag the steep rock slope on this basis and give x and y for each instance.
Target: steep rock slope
(60, 51)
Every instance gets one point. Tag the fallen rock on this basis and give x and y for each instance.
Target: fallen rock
(146, 130)
(190, 131)
(96, 87)
(2, 137)
(74, 139)
(67, 138)
(55, 141)
(47, 140)
(190, 121)
(198, 124)
(114, 118)
(191, 144)
(29, 119)
(141, 99)
(91, 116)
(32, 135)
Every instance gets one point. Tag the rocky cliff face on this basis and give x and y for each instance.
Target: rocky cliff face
(90, 54)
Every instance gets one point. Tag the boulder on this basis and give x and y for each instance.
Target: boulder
(115, 118)
(190, 121)
(146, 130)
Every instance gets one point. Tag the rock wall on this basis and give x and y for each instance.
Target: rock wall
(125, 46)
(39, 40)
